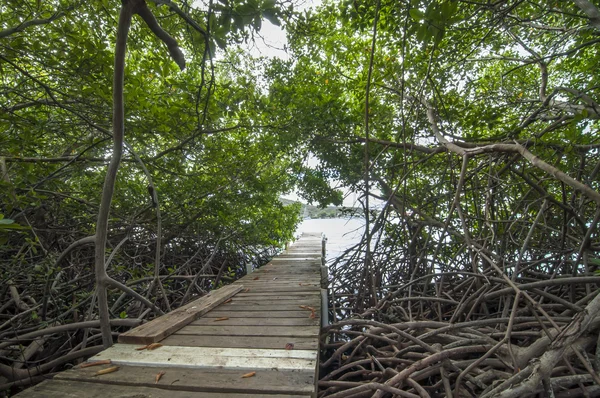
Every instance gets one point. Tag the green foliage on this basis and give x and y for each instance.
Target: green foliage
(201, 137)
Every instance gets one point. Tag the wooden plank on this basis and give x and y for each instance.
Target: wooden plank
(282, 290)
(224, 330)
(291, 269)
(300, 343)
(259, 314)
(304, 266)
(276, 281)
(268, 306)
(274, 295)
(257, 322)
(257, 299)
(311, 272)
(297, 301)
(168, 324)
(205, 357)
(130, 350)
(294, 289)
(299, 262)
(202, 380)
(74, 389)
(266, 274)
(275, 284)
(294, 259)
(312, 255)
(268, 280)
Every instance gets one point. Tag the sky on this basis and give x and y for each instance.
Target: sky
(273, 39)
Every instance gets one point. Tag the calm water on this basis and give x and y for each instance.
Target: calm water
(341, 233)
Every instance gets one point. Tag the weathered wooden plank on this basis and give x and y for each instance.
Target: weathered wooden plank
(202, 380)
(303, 266)
(294, 259)
(300, 262)
(312, 273)
(284, 275)
(289, 269)
(74, 389)
(295, 300)
(283, 284)
(282, 290)
(263, 288)
(130, 350)
(259, 314)
(224, 330)
(300, 343)
(262, 308)
(166, 325)
(276, 281)
(274, 295)
(205, 357)
(269, 281)
(313, 255)
(257, 322)
(260, 301)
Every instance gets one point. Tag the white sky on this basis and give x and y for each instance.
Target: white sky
(273, 39)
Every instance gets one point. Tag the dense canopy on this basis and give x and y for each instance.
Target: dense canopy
(468, 129)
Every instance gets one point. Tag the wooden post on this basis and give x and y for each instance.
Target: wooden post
(324, 284)
(249, 268)
(324, 308)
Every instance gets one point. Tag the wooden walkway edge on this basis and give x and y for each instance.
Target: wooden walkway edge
(258, 337)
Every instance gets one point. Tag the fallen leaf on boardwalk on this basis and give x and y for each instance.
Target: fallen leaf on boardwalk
(251, 374)
(312, 315)
(289, 346)
(107, 370)
(142, 348)
(256, 278)
(246, 290)
(158, 376)
(221, 319)
(304, 307)
(96, 363)
(153, 346)
(228, 301)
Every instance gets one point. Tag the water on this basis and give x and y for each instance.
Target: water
(341, 233)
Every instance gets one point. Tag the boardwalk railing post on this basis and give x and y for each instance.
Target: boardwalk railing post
(249, 268)
(324, 284)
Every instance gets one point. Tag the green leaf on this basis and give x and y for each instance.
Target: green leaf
(423, 33)
(416, 14)
(269, 4)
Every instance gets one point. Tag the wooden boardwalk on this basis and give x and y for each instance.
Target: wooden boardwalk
(268, 332)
